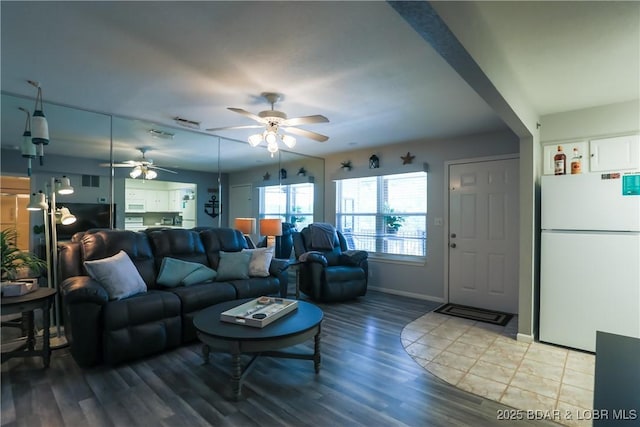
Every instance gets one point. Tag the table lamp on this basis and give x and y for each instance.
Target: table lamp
(271, 227)
(248, 227)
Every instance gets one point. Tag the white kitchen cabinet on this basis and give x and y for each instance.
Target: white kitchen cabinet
(175, 200)
(549, 151)
(157, 201)
(135, 200)
(614, 154)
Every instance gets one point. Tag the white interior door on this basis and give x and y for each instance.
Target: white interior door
(483, 234)
(240, 202)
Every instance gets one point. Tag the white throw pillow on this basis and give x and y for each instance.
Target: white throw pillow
(117, 274)
(260, 261)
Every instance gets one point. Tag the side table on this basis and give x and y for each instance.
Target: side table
(295, 264)
(41, 298)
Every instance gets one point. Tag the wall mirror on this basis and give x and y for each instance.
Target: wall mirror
(82, 142)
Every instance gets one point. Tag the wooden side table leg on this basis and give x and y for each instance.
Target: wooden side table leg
(46, 345)
(27, 317)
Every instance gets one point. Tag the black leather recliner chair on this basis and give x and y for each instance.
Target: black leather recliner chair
(330, 274)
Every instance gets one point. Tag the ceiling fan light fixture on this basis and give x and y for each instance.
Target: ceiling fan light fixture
(272, 147)
(150, 174)
(271, 137)
(289, 141)
(135, 172)
(255, 139)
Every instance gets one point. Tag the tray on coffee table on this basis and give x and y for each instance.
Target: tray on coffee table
(259, 312)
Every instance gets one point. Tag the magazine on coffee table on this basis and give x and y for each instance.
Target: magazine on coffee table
(259, 312)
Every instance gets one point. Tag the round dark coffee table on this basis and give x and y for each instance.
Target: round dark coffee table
(294, 328)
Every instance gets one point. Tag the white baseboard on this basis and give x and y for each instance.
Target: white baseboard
(407, 294)
(524, 338)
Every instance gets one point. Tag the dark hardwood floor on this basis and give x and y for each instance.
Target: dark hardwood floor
(366, 379)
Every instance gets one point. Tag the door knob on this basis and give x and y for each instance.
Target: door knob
(453, 245)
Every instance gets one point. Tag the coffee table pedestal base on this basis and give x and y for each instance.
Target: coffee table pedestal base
(267, 347)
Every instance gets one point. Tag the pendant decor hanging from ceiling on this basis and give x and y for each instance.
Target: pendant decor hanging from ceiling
(28, 149)
(39, 124)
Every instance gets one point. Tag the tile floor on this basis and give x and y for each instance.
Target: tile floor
(486, 360)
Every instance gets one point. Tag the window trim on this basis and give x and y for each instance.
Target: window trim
(379, 173)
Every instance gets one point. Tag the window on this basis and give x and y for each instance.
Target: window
(384, 214)
(293, 203)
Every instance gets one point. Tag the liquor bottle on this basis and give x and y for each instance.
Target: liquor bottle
(576, 163)
(560, 162)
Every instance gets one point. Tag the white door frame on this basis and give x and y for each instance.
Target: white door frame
(447, 164)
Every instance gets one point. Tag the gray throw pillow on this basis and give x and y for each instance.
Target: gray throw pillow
(175, 272)
(117, 274)
(233, 266)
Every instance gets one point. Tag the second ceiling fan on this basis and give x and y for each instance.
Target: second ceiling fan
(274, 121)
(142, 167)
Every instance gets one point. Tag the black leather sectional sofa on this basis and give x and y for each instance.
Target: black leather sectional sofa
(100, 330)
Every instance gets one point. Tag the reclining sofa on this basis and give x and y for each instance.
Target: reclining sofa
(101, 329)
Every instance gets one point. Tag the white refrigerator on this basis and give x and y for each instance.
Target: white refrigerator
(589, 258)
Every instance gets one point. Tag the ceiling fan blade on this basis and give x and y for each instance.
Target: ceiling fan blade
(247, 114)
(162, 169)
(307, 133)
(235, 127)
(296, 121)
(118, 165)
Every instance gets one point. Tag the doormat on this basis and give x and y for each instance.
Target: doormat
(472, 313)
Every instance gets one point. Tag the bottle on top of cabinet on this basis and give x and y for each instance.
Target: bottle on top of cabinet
(560, 162)
(576, 162)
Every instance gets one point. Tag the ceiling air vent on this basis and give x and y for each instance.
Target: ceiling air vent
(191, 124)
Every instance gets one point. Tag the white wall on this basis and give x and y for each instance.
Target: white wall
(604, 120)
(420, 281)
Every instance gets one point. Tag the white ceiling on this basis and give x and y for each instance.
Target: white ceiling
(357, 63)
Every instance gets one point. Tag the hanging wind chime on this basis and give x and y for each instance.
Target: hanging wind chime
(39, 125)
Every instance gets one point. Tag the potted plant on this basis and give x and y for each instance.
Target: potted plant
(295, 218)
(393, 222)
(14, 259)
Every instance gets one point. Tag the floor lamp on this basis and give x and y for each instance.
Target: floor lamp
(248, 227)
(52, 215)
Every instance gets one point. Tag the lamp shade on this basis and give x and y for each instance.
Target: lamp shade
(271, 227)
(246, 225)
(37, 202)
(66, 217)
(65, 186)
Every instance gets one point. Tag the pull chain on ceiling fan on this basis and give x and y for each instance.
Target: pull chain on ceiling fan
(274, 121)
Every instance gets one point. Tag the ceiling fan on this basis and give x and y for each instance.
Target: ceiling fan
(273, 121)
(142, 167)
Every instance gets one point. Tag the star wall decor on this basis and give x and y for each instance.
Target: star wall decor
(266, 176)
(406, 160)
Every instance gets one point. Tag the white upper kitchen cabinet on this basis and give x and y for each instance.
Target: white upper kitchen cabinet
(175, 200)
(614, 154)
(157, 201)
